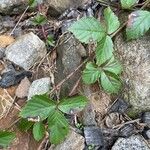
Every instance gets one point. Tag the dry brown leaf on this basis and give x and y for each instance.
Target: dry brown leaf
(6, 40)
(6, 100)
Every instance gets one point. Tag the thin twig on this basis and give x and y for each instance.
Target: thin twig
(128, 122)
(145, 4)
(75, 87)
(67, 77)
(19, 20)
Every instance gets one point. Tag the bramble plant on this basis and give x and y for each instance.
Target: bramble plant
(40, 106)
(107, 69)
(104, 69)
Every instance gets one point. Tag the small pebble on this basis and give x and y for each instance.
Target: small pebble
(23, 88)
(38, 87)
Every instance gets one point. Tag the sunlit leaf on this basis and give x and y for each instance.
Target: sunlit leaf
(87, 30)
(73, 104)
(91, 73)
(112, 21)
(110, 82)
(104, 50)
(39, 105)
(113, 66)
(38, 131)
(58, 126)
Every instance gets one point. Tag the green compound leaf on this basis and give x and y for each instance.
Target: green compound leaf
(58, 126)
(91, 73)
(113, 66)
(73, 104)
(110, 82)
(38, 131)
(87, 30)
(138, 24)
(39, 20)
(39, 105)
(104, 50)
(6, 138)
(112, 21)
(127, 4)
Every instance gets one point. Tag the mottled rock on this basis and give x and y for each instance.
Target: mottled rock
(12, 6)
(135, 142)
(38, 87)
(59, 6)
(26, 50)
(68, 59)
(93, 136)
(23, 88)
(135, 57)
(73, 141)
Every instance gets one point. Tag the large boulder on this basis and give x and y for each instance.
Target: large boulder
(135, 57)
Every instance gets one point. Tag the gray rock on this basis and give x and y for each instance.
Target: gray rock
(68, 59)
(26, 51)
(135, 57)
(58, 6)
(93, 136)
(73, 141)
(135, 142)
(12, 6)
(38, 87)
